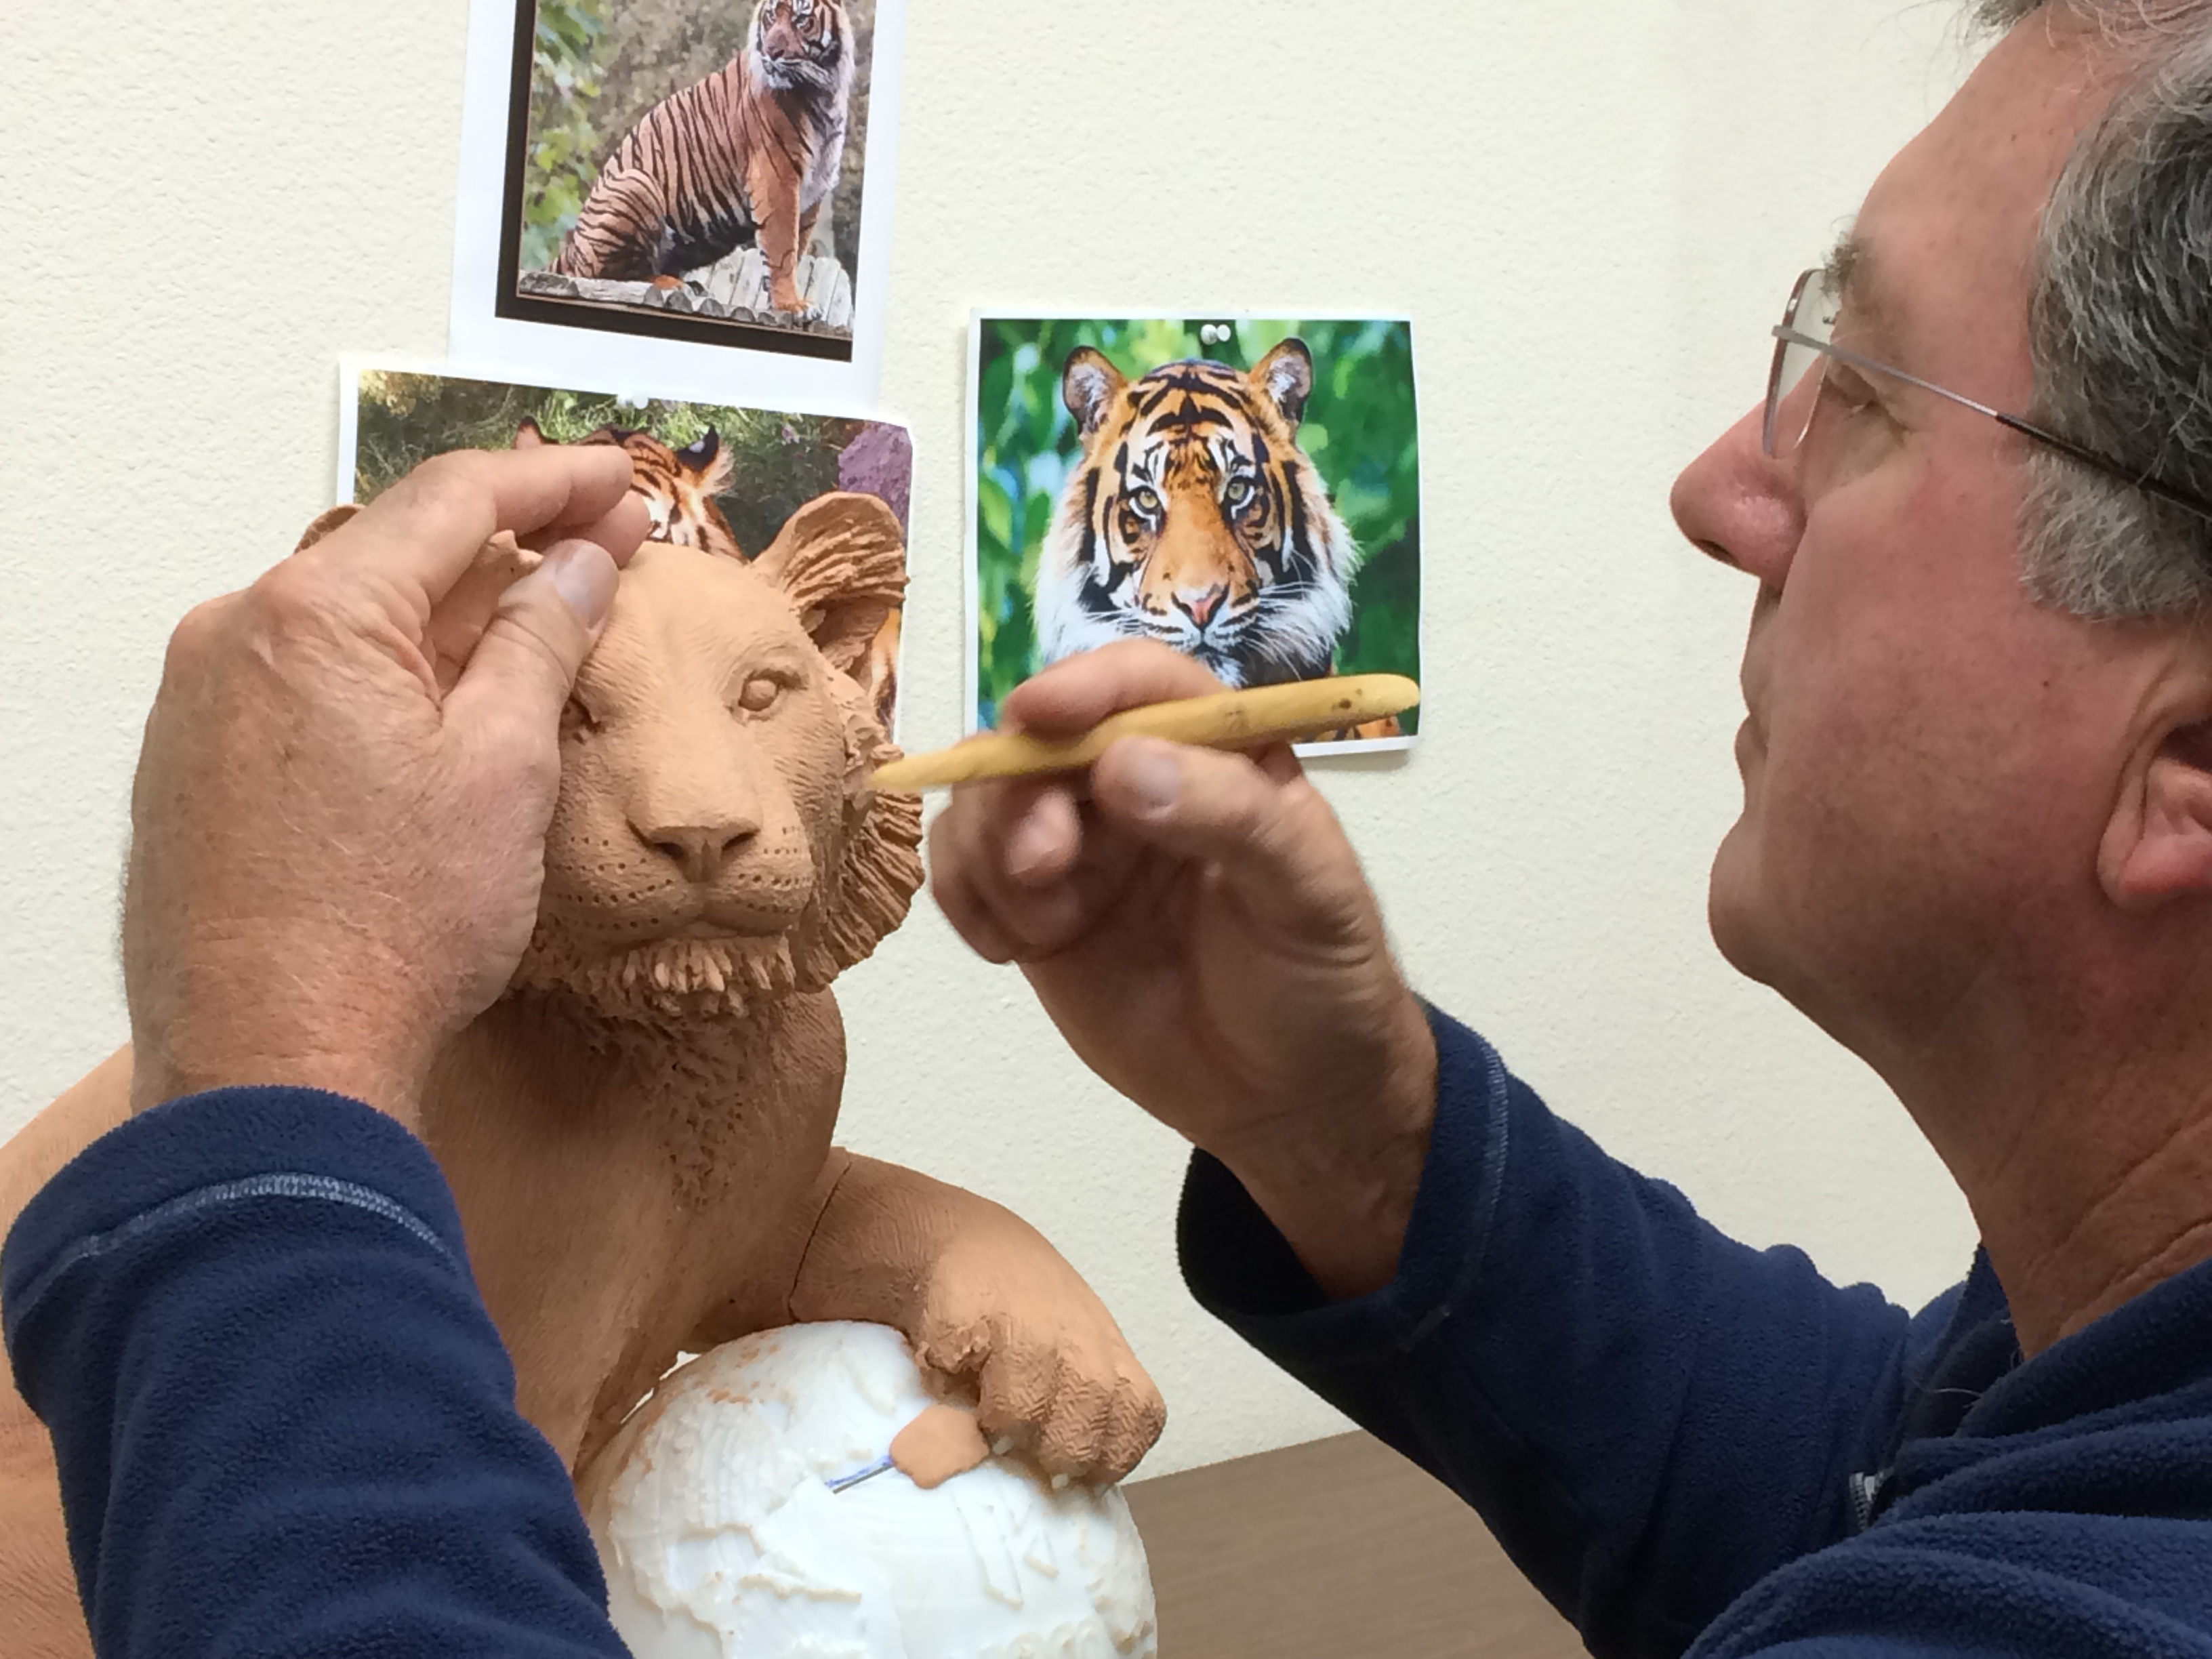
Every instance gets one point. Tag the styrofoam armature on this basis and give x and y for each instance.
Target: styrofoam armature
(725, 1534)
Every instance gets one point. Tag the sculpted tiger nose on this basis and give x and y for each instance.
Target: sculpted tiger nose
(700, 850)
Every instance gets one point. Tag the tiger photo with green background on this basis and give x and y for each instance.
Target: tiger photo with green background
(1247, 492)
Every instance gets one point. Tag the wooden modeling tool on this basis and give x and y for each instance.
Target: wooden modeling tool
(1227, 720)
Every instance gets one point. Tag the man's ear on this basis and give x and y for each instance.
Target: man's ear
(2158, 846)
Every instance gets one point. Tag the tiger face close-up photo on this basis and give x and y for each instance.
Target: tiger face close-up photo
(1193, 518)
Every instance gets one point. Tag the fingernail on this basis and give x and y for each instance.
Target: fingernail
(1151, 778)
(583, 574)
(1032, 843)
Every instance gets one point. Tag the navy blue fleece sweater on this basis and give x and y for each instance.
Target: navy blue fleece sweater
(284, 1422)
(1690, 1444)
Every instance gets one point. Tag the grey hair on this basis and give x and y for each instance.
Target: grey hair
(2120, 325)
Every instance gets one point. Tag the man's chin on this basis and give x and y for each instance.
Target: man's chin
(1733, 913)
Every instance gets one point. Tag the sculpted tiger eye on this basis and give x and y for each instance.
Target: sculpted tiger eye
(1194, 518)
(749, 153)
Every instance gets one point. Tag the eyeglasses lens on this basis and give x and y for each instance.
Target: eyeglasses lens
(1793, 389)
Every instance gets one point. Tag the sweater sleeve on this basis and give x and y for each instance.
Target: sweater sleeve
(1649, 1415)
(283, 1421)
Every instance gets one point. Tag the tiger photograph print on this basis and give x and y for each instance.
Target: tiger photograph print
(723, 478)
(683, 164)
(1246, 493)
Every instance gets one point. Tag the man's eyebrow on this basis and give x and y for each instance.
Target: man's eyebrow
(1851, 270)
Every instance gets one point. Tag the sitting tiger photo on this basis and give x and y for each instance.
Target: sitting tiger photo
(691, 168)
(1248, 493)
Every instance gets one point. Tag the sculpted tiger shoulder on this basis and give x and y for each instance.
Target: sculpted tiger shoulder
(1194, 518)
(750, 152)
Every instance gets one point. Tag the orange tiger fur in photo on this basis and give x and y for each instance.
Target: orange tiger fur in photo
(752, 151)
(678, 485)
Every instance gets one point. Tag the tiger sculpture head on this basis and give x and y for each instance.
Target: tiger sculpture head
(801, 43)
(678, 486)
(1194, 518)
(715, 846)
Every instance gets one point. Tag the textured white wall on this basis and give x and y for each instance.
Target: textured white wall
(1591, 210)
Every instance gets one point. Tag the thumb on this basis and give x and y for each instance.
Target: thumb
(524, 665)
(1275, 840)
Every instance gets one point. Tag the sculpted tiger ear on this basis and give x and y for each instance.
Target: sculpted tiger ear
(1285, 378)
(1088, 386)
(527, 436)
(840, 561)
(325, 523)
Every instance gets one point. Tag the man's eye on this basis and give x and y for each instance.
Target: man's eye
(1852, 390)
(760, 693)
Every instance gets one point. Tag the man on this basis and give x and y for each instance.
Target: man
(1976, 847)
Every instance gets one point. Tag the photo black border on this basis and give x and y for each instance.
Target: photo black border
(509, 302)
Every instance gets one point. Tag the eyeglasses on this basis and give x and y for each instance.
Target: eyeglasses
(1802, 340)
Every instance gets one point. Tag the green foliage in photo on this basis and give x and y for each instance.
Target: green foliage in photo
(562, 155)
(780, 462)
(1358, 431)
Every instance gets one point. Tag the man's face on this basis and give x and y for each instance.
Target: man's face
(1929, 758)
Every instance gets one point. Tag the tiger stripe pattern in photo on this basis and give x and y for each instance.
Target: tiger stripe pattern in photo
(750, 152)
(1194, 518)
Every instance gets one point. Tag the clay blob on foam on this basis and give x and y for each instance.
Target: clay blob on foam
(722, 1537)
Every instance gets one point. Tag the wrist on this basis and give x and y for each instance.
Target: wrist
(1341, 1185)
(182, 1061)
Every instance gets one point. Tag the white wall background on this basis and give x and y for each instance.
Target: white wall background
(1592, 210)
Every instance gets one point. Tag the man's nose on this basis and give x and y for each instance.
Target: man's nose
(1738, 504)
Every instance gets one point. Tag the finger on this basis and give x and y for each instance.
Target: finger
(459, 620)
(523, 667)
(621, 530)
(427, 528)
(1001, 921)
(1273, 838)
(1019, 873)
(1037, 830)
(952, 885)
(1079, 691)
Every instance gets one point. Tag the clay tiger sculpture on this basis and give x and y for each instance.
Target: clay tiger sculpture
(1194, 518)
(753, 150)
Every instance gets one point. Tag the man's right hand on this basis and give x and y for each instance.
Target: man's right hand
(1198, 927)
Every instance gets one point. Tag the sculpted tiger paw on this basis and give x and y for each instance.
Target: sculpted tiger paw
(1063, 1390)
(1079, 1412)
